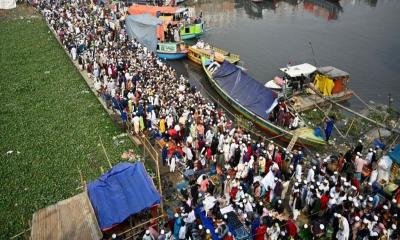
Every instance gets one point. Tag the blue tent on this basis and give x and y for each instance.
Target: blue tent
(124, 190)
(250, 93)
(395, 154)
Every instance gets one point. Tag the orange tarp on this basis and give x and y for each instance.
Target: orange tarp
(136, 9)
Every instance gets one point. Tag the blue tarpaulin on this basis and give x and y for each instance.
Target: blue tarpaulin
(395, 154)
(124, 190)
(247, 91)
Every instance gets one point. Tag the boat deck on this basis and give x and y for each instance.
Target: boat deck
(303, 103)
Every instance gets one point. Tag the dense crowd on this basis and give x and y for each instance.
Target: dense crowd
(268, 188)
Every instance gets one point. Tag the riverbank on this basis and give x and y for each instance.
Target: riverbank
(50, 124)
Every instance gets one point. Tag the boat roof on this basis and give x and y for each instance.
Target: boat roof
(332, 72)
(141, 9)
(297, 70)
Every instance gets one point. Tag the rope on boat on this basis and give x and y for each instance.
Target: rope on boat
(366, 104)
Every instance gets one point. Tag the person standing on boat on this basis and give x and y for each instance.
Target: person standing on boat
(329, 128)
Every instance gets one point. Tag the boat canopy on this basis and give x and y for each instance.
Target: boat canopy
(332, 72)
(247, 91)
(295, 71)
(124, 190)
(136, 9)
(143, 27)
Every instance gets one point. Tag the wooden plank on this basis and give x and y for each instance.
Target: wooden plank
(293, 141)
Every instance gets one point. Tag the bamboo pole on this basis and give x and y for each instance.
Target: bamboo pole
(348, 130)
(105, 152)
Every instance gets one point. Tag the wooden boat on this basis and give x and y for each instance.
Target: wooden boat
(171, 50)
(196, 52)
(238, 96)
(329, 81)
(192, 30)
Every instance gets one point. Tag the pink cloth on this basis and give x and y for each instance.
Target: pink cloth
(279, 81)
(360, 164)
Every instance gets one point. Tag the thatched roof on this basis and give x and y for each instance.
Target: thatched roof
(72, 218)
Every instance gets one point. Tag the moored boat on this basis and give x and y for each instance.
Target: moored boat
(205, 50)
(304, 84)
(254, 101)
(171, 50)
(189, 27)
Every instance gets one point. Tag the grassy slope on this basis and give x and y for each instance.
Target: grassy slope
(51, 119)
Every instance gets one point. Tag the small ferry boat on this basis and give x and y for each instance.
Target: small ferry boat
(299, 84)
(171, 50)
(190, 27)
(202, 49)
(257, 103)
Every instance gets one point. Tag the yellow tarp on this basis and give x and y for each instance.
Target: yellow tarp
(324, 84)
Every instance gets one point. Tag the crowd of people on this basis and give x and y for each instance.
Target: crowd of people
(268, 188)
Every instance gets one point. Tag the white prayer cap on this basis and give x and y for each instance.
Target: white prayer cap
(291, 166)
(394, 200)
(335, 215)
(162, 231)
(374, 234)
(317, 154)
(370, 184)
(208, 231)
(354, 187)
(305, 181)
(228, 177)
(359, 154)
(300, 152)
(296, 184)
(225, 216)
(350, 198)
(318, 183)
(370, 149)
(321, 188)
(114, 236)
(321, 226)
(365, 221)
(279, 201)
(376, 218)
(356, 204)
(147, 232)
(370, 199)
(332, 195)
(312, 187)
(385, 207)
(325, 160)
(357, 218)
(240, 187)
(261, 203)
(305, 226)
(216, 230)
(360, 141)
(314, 167)
(360, 197)
(176, 215)
(394, 227)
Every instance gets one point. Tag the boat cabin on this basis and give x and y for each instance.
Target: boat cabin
(340, 78)
(171, 47)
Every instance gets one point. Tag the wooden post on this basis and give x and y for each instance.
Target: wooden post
(159, 184)
(105, 152)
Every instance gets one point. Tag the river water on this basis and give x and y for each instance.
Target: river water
(361, 37)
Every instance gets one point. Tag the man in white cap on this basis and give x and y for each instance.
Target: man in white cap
(355, 227)
(311, 174)
(344, 228)
(359, 163)
(147, 236)
(162, 235)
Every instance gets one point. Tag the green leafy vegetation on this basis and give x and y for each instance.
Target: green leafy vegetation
(50, 125)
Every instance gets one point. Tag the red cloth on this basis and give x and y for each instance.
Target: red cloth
(324, 201)
(355, 183)
(233, 192)
(291, 228)
(260, 232)
(228, 237)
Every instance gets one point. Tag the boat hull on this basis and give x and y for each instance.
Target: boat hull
(261, 123)
(171, 56)
(190, 36)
